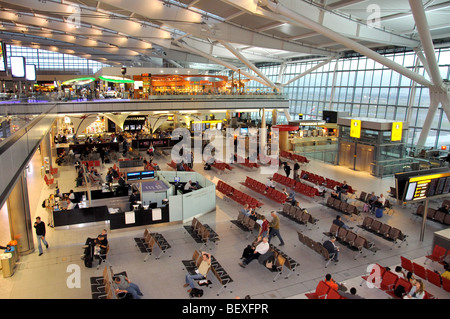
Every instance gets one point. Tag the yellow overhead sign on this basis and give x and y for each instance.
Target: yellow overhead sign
(396, 132)
(355, 128)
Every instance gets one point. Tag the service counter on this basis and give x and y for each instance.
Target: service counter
(80, 216)
(139, 217)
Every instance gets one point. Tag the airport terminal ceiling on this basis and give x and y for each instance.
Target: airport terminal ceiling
(225, 33)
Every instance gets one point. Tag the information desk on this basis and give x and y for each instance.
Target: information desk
(140, 217)
(80, 216)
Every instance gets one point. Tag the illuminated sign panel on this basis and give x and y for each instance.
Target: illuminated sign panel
(422, 187)
(355, 128)
(396, 132)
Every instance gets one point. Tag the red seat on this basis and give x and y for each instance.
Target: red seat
(434, 278)
(400, 282)
(438, 254)
(333, 294)
(321, 292)
(406, 264)
(419, 270)
(446, 284)
(389, 280)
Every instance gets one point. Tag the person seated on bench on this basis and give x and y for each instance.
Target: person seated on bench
(290, 196)
(332, 248)
(335, 194)
(350, 295)
(344, 187)
(201, 272)
(320, 189)
(248, 251)
(371, 199)
(260, 249)
(417, 291)
(379, 203)
(269, 184)
(123, 285)
(333, 284)
(246, 210)
(338, 221)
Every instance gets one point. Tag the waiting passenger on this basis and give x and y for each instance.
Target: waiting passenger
(333, 284)
(332, 249)
(338, 221)
(417, 291)
(201, 272)
(260, 249)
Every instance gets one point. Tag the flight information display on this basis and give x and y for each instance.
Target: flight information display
(422, 187)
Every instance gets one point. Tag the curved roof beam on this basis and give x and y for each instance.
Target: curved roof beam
(197, 24)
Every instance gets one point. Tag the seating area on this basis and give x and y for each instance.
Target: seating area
(222, 166)
(246, 162)
(236, 195)
(173, 165)
(425, 273)
(246, 223)
(324, 181)
(298, 214)
(260, 188)
(294, 157)
(433, 214)
(387, 281)
(202, 233)
(296, 186)
(351, 240)
(383, 230)
(316, 246)
(342, 206)
(223, 278)
(323, 291)
(147, 242)
(101, 286)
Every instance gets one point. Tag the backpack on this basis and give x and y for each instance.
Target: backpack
(43, 204)
(195, 292)
(88, 262)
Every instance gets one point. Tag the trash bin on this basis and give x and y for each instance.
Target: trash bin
(13, 252)
(7, 264)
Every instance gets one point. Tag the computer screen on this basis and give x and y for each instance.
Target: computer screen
(148, 175)
(176, 179)
(134, 176)
(244, 131)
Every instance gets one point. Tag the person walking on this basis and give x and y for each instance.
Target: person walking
(275, 228)
(39, 225)
(49, 204)
(287, 169)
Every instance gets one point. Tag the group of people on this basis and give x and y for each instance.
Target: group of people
(373, 202)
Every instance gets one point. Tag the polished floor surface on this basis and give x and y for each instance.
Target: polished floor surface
(50, 276)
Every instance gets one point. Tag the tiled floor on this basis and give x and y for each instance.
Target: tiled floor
(164, 278)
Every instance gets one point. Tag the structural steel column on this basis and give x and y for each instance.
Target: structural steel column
(46, 149)
(20, 223)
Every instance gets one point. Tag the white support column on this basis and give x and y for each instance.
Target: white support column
(333, 86)
(349, 43)
(250, 65)
(420, 19)
(434, 103)
(423, 60)
(319, 65)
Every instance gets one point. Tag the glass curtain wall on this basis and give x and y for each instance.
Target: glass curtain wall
(364, 88)
(54, 61)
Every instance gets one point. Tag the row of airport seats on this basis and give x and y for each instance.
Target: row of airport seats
(383, 230)
(350, 239)
(246, 223)
(102, 286)
(296, 186)
(173, 165)
(324, 181)
(387, 281)
(298, 214)
(323, 291)
(433, 214)
(294, 157)
(425, 273)
(191, 265)
(147, 242)
(237, 195)
(202, 233)
(342, 206)
(317, 247)
(269, 192)
(222, 166)
(246, 162)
